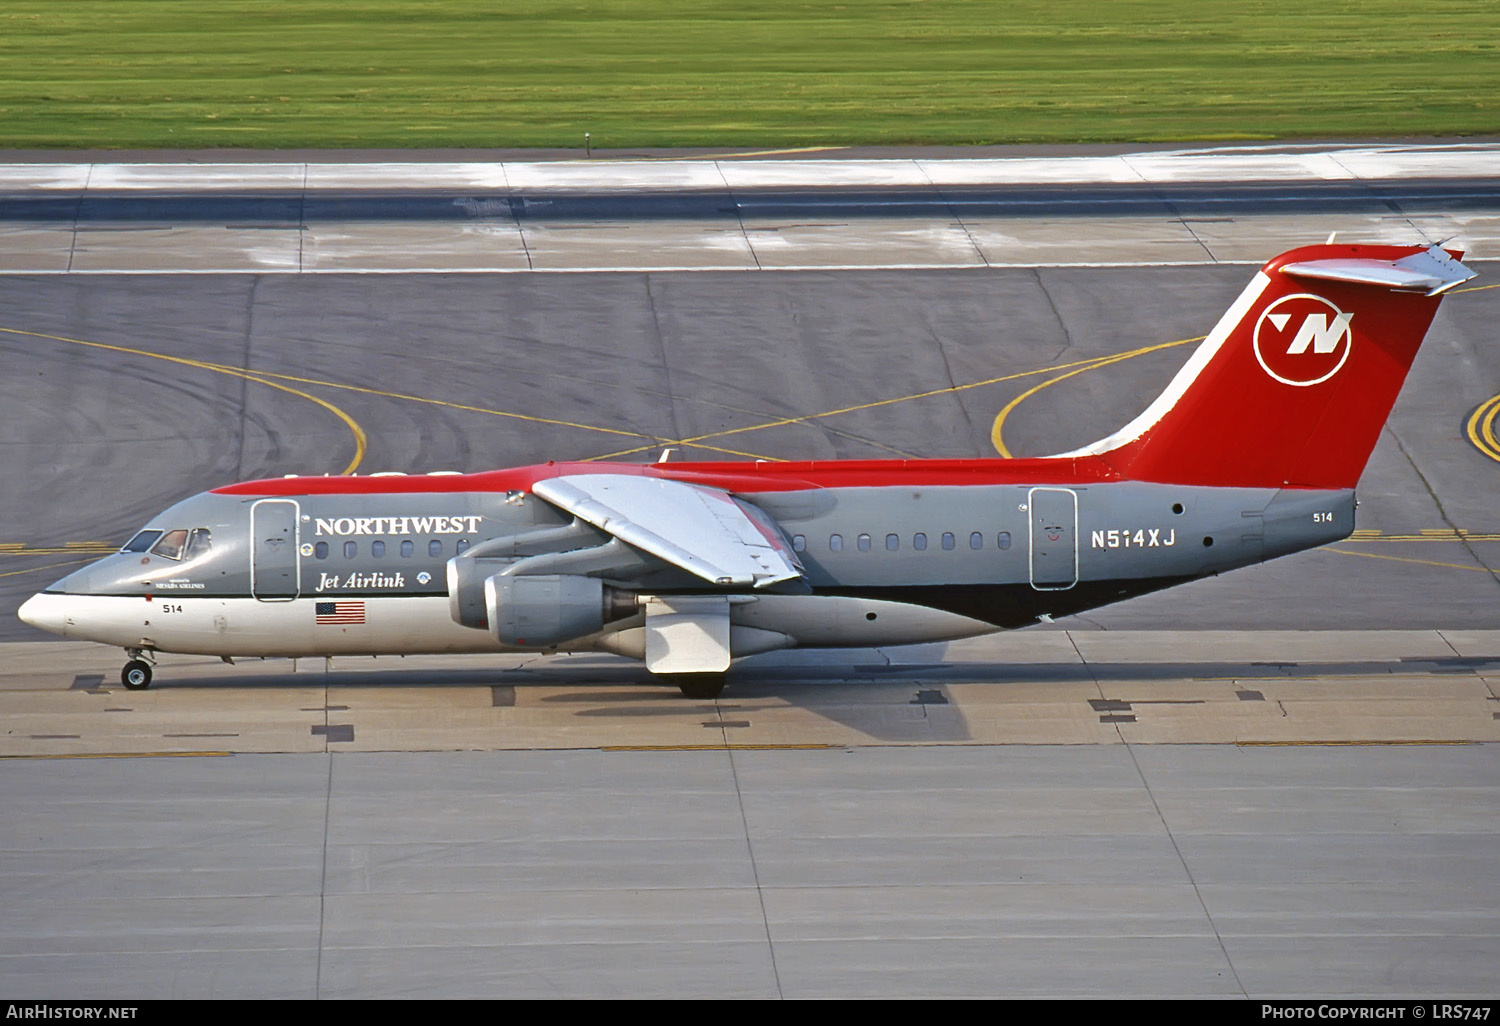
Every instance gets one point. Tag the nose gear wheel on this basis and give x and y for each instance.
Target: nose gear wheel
(136, 676)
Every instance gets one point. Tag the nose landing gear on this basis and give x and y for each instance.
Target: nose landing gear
(136, 676)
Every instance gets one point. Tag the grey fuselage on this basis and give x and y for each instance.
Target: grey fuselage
(885, 564)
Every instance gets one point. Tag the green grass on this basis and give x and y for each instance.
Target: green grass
(749, 73)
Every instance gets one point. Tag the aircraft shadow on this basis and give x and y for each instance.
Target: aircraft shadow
(891, 703)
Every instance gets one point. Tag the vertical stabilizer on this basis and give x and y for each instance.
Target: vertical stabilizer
(1294, 384)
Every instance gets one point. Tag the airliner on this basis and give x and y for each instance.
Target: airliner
(1252, 452)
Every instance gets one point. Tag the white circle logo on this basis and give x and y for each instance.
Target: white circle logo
(1302, 339)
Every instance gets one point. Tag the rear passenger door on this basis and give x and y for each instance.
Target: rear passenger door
(1054, 538)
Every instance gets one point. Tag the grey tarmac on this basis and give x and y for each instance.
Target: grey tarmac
(894, 871)
(1277, 783)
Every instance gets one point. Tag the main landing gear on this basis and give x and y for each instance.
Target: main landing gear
(136, 676)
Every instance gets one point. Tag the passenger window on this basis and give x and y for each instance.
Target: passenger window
(407, 548)
(948, 541)
(892, 543)
(976, 540)
(351, 549)
(835, 543)
(199, 542)
(171, 544)
(321, 550)
(435, 547)
(919, 542)
(1003, 539)
(863, 543)
(799, 543)
(462, 546)
(142, 541)
(377, 549)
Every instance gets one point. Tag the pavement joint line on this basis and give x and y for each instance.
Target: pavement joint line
(1353, 744)
(125, 755)
(1182, 860)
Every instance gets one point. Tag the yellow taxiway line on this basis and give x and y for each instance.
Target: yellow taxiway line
(946, 390)
(265, 378)
(360, 440)
(997, 429)
(1481, 425)
(52, 566)
(1481, 428)
(1408, 559)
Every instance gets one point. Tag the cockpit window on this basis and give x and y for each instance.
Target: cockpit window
(199, 542)
(171, 544)
(142, 541)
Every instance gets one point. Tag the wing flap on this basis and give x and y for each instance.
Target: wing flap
(706, 531)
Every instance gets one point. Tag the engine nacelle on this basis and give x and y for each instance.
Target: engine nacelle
(543, 610)
(466, 577)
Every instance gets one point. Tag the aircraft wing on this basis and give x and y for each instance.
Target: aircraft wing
(706, 531)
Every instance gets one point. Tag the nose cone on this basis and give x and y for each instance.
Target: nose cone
(44, 611)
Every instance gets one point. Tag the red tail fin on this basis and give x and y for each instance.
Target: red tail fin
(1295, 382)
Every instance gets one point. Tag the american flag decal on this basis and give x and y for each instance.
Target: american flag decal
(339, 612)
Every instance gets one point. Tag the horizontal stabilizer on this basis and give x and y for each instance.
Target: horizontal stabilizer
(703, 530)
(1430, 272)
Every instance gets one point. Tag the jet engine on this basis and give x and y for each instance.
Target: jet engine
(466, 579)
(543, 610)
(543, 588)
(467, 572)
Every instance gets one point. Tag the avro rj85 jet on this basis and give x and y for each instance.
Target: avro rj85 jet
(1252, 452)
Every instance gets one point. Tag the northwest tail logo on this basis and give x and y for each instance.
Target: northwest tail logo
(1303, 339)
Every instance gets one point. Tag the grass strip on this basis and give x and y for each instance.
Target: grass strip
(750, 73)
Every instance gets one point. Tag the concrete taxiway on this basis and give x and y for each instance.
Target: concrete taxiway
(1041, 687)
(1230, 204)
(1102, 871)
(1280, 782)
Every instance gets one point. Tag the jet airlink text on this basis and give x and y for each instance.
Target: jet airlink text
(343, 526)
(361, 581)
